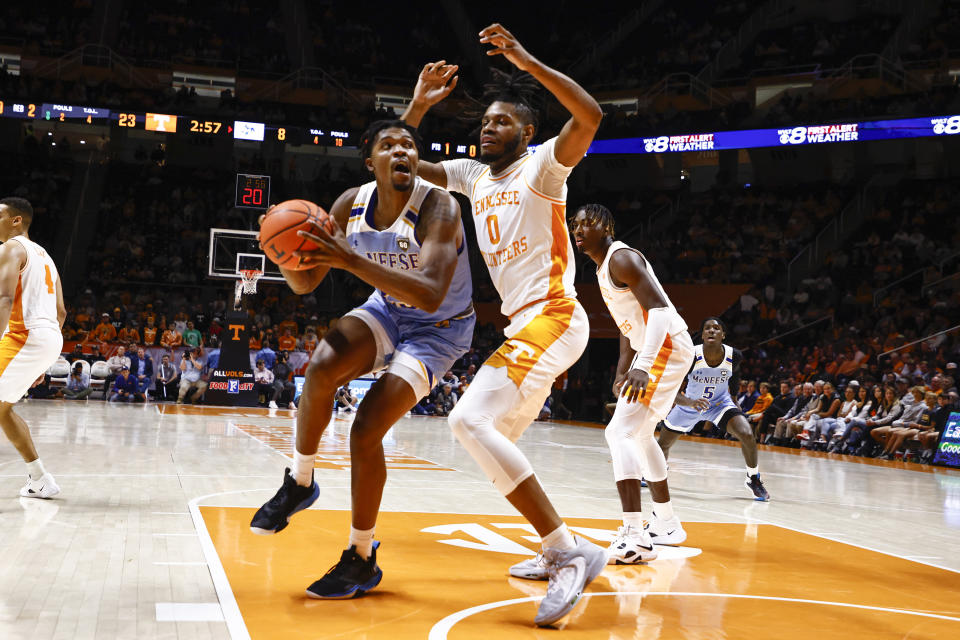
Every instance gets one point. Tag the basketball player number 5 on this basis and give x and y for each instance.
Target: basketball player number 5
(493, 229)
(708, 392)
(48, 279)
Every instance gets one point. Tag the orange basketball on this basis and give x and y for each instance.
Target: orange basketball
(278, 232)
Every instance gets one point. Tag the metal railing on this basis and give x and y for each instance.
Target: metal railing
(687, 84)
(919, 340)
(877, 293)
(876, 66)
(94, 55)
(812, 256)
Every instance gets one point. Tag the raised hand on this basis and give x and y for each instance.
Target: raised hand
(436, 81)
(506, 45)
(333, 249)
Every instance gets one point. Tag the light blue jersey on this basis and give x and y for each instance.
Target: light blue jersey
(711, 384)
(398, 247)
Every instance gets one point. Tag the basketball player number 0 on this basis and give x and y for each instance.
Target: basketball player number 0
(493, 229)
(48, 279)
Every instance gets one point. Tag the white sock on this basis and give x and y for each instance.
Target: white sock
(634, 519)
(362, 539)
(302, 470)
(35, 469)
(559, 538)
(663, 510)
(752, 471)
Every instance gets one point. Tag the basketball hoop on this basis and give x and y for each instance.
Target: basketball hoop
(246, 285)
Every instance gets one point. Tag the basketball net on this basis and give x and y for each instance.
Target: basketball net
(247, 284)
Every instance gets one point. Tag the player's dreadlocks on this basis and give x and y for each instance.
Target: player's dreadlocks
(597, 213)
(518, 88)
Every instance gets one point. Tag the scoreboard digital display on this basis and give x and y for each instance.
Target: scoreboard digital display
(253, 192)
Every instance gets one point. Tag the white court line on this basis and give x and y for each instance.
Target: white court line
(748, 518)
(440, 629)
(180, 564)
(191, 534)
(188, 612)
(169, 513)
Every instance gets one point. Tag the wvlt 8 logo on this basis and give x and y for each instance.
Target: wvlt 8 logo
(656, 145)
(948, 126)
(797, 135)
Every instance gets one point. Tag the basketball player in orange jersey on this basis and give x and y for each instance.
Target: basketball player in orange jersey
(519, 202)
(655, 354)
(31, 317)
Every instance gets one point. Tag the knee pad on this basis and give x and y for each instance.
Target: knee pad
(501, 461)
(655, 463)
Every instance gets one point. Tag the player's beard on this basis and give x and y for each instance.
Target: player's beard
(402, 187)
(509, 148)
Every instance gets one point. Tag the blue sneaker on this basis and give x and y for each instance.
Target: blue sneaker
(755, 485)
(275, 514)
(350, 578)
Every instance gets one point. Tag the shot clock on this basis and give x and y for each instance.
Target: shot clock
(253, 192)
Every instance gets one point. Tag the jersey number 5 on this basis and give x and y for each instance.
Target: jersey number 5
(708, 392)
(48, 279)
(493, 229)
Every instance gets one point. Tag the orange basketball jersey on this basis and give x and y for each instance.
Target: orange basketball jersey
(35, 301)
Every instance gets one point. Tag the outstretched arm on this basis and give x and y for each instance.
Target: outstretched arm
(578, 132)
(436, 81)
(424, 287)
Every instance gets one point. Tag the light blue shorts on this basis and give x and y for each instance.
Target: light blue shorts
(418, 352)
(684, 419)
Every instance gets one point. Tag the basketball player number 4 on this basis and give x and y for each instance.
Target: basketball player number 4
(48, 279)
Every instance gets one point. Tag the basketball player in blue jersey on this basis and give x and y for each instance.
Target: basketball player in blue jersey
(706, 396)
(404, 236)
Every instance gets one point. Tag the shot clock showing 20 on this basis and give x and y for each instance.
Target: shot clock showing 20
(253, 192)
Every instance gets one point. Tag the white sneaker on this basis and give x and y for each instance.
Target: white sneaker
(570, 571)
(530, 569)
(43, 487)
(272, 405)
(631, 546)
(666, 531)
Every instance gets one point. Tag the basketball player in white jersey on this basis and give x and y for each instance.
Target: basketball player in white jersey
(655, 354)
(31, 316)
(519, 203)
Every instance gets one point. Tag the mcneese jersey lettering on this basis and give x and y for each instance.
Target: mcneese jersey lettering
(398, 247)
(35, 300)
(520, 218)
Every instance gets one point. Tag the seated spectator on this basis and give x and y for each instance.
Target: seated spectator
(777, 409)
(284, 387)
(95, 355)
(287, 341)
(450, 379)
(105, 331)
(166, 387)
(263, 378)
(128, 334)
(192, 337)
(76, 354)
(889, 411)
(892, 435)
(78, 384)
(924, 423)
(446, 400)
(41, 388)
(116, 363)
(787, 428)
(124, 386)
(344, 400)
(310, 341)
(830, 402)
(426, 407)
(141, 368)
(191, 366)
(868, 403)
(748, 397)
(170, 338)
(150, 332)
(837, 425)
(764, 400)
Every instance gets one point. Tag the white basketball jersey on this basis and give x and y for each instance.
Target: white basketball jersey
(630, 317)
(35, 301)
(520, 218)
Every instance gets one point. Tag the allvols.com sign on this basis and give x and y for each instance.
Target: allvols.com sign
(231, 383)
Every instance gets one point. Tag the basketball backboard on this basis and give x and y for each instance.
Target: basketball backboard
(232, 250)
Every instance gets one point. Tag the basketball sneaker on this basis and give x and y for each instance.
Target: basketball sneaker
(569, 571)
(43, 487)
(631, 546)
(755, 485)
(668, 532)
(275, 514)
(530, 569)
(350, 578)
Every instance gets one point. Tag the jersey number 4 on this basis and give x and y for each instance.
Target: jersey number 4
(48, 279)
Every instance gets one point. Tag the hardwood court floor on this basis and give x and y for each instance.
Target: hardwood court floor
(149, 538)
